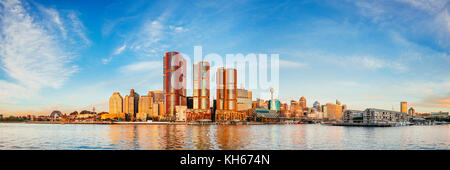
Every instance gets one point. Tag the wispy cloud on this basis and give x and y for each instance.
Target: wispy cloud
(142, 66)
(417, 17)
(118, 51)
(54, 16)
(434, 102)
(30, 55)
(178, 29)
(65, 22)
(373, 63)
(78, 27)
(291, 64)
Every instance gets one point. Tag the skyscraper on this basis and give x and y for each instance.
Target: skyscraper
(334, 111)
(145, 107)
(317, 105)
(201, 87)
(412, 112)
(131, 104)
(302, 102)
(404, 107)
(174, 70)
(115, 103)
(157, 96)
(226, 89)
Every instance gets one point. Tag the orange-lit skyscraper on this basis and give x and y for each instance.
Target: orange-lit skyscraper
(404, 107)
(226, 89)
(201, 85)
(131, 104)
(116, 103)
(174, 70)
(302, 102)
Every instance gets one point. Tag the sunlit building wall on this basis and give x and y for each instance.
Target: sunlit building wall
(157, 96)
(174, 70)
(132, 104)
(201, 85)
(226, 89)
(244, 101)
(302, 102)
(404, 107)
(145, 107)
(334, 111)
(116, 103)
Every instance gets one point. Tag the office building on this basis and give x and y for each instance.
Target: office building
(131, 105)
(353, 116)
(157, 96)
(226, 89)
(317, 106)
(411, 112)
(274, 105)
(244, 100)
(404, 107)
(174, 70)
(333, 111)
(201, 84)
(372, 115)
(145, 107)
(115, 103)
(302, 102)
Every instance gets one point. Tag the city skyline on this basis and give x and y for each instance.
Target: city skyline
(72, 56)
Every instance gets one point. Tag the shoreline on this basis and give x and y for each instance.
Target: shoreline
(206, 123)
(151, 123)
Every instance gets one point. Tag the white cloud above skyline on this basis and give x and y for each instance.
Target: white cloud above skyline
(31, 56)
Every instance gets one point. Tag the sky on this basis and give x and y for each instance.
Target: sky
(72, 55)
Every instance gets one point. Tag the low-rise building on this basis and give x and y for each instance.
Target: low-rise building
(113, 116)
(353, 116)
(266, 115)
(372, 115)
(439, 114)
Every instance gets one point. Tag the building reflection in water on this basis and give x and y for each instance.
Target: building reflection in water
(241, 137)
(233, 137)
(123, 136)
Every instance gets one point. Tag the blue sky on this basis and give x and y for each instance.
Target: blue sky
(72, 55)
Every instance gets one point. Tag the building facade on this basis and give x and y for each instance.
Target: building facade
(115, 103)
(403, 107)
(353, 116)
(244, 100)
(372, 115)
(131, 104)
(201, 86)
(226, 89)
(302, 102)
(174, 70)
(333, 111)
(157, 96)
(411, 112)
(145, 107)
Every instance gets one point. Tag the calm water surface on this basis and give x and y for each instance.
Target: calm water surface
(70, 136)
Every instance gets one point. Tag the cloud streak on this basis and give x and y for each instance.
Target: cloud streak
(31, 56)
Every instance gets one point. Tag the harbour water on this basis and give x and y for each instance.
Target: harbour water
(217, 137)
